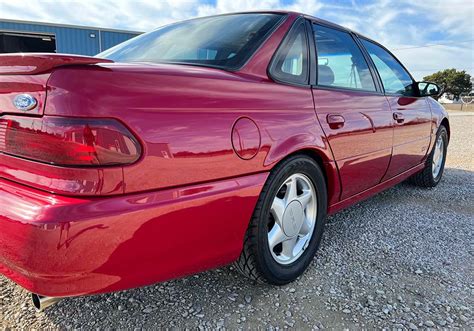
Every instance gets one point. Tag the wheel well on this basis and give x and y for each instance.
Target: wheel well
(313, 155)
(445, 123)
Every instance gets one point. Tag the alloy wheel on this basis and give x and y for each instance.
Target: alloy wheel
(438, 156)
(292, 219)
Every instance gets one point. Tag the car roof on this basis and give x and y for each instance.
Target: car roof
(289, 12)
(309, 17)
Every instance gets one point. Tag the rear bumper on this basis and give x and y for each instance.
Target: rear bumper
(62, 246)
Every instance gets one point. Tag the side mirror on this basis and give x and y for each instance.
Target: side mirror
(428, 89)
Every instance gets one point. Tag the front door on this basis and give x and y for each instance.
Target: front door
(353, 112)
(412, 134)
(411, 114)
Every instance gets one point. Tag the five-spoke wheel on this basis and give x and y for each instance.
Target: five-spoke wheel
(292, 218)
(287, 225)
(431, 174)
(438, 156)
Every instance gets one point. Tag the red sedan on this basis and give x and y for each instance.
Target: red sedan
(218, 140)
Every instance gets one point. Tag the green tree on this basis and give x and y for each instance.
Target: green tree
(451, 81)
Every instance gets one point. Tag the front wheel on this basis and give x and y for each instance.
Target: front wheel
(287, 225)
(431, 174)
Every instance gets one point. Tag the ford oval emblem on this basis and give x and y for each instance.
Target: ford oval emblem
(25, 102)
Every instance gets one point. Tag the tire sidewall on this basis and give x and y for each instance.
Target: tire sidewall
(277, 273)
(444, 134)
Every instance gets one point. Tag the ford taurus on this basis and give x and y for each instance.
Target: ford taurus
(217, 140)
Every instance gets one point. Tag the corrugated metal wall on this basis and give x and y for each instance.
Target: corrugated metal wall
(71, 39)
(111, 38)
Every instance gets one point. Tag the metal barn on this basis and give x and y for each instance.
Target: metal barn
(23, 36)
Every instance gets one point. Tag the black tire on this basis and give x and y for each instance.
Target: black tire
(425, 177)
(256, 261)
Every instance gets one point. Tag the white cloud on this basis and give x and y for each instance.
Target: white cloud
(311, 7)
(137, 15)
(394, 23)
(406, 23)
(225, 6)
(142, 15)
(422, 62)
(456, 17)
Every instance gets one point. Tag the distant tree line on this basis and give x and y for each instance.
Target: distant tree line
(451, 81)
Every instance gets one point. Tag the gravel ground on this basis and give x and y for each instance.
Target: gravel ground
(403, 259)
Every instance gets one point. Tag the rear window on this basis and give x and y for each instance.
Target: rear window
(225, 41)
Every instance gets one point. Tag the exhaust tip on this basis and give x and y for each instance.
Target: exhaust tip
(41, 302)
(36, 301)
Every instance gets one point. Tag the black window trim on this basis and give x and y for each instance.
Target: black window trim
(360, 37)
(270, 33)
(372, 69)
(313, 62)
(284, 43)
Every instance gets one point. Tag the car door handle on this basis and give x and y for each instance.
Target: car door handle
(398, 117)
(335, 121)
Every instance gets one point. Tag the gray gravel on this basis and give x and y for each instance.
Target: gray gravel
(403, 259)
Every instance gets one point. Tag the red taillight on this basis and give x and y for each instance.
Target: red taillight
(69, 141)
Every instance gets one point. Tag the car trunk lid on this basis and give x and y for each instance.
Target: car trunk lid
(23, 77)
(35, 63)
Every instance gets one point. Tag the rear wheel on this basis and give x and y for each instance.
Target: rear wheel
(431, 175)
(287, 225)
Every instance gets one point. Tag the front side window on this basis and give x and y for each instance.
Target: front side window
(395, 78)
(340, 60)
(225, 41)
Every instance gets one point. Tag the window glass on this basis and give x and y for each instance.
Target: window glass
(340, 61)
(394, 77)
(225, 41)
(291, 61)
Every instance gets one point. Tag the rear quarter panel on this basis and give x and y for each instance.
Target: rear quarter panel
(184, 118)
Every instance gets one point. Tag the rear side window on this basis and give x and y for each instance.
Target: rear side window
(395, 79)
(340, 60)
(226, 41)
(290, 64)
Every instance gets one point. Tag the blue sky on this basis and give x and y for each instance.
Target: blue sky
(401, 25)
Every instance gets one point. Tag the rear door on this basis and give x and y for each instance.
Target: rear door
(411, 114)
(352, 110)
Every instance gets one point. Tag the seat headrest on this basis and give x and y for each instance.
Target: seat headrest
(325, 75)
